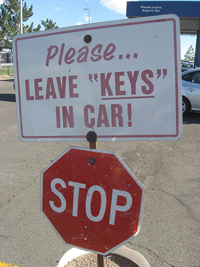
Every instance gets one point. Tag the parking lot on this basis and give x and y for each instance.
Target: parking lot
(170, 172)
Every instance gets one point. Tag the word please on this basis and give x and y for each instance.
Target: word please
(89, 198)
(80, 56)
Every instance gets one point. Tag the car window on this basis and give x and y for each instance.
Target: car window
(187, 77)
(196, 77)
(183, 64)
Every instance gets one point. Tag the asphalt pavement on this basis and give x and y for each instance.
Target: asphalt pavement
(170, 172)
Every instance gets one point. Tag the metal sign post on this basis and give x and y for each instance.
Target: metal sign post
(92, 139)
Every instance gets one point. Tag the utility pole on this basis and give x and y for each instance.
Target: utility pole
(21, 22)
(89, 14)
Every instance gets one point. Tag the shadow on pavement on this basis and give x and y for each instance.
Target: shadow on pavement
(7, 97)
(7, 80)
(191, 118)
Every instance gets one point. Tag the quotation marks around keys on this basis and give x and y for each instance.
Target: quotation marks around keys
(95, 77)
(159, 72)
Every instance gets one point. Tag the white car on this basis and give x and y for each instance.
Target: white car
(191, 91)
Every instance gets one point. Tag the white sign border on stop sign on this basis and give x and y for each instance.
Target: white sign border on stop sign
(128, 171)
(118, 118)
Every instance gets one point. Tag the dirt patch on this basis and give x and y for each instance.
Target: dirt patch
(90, 260)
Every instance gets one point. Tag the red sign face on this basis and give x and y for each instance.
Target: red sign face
(92, 199)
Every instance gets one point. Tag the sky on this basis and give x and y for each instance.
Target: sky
(72, 12)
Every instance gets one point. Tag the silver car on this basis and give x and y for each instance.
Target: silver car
(191, 91)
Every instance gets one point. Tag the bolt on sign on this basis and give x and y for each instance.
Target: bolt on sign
(121, 79)
(91, 199)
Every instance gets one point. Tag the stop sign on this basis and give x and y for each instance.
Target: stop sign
(91, 199)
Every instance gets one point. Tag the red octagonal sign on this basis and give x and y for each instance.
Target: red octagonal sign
(91, 199)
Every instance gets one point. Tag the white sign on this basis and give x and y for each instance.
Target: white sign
(121, 79)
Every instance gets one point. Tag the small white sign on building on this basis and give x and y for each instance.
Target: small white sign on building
(121, 79)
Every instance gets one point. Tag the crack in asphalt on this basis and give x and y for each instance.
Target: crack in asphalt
(182, 203)
(156, 255)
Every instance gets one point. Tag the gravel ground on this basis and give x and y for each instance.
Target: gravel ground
(90, 260)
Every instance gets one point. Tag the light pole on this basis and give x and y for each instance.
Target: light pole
(89, 13)
(21, 22)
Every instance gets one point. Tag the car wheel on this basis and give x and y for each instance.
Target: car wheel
(185, 106)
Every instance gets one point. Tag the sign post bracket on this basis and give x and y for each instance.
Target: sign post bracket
(92, 139)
